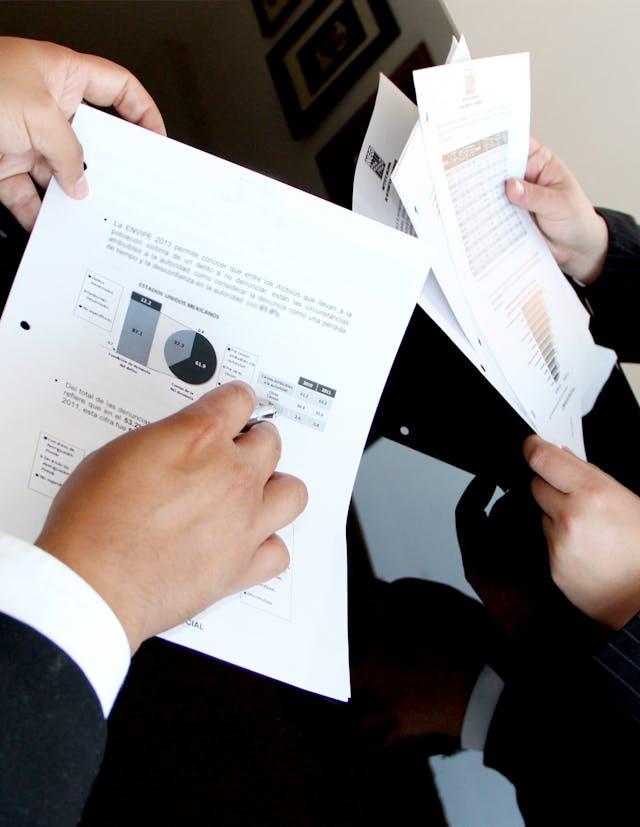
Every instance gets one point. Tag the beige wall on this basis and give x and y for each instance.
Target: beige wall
(585, 63)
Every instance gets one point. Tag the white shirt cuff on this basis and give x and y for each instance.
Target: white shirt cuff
(42, 592)
(482, 704)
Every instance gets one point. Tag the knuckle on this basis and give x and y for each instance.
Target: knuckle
(279, 557)
(303, 494)
(271, 434)
(299, 494)
(202, 429)
(281, 550)
(569, 521)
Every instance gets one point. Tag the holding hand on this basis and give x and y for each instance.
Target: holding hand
(576, 234)
(592, 526)
(166, 520)
(41, 87)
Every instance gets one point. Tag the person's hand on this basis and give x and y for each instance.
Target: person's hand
(592, 526)
(41, 87)
(576, 234)
(501, 554)
(168, 519)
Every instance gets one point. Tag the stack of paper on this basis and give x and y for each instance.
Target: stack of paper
(179, 272)
(439, 170)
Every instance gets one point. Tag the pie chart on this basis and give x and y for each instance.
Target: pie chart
(190, 357)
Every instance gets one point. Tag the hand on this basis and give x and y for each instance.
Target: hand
(41, 87)
(576, 234)
(592, 526)
(503, 555)
(166, 520)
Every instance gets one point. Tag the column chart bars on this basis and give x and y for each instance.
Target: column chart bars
(538, 322)
(139, 328)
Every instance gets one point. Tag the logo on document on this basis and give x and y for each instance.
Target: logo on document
(469, 82)
(470, 97)
(375, 162)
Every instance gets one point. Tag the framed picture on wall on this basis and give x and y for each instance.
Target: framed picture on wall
(271, 14)
(338, 157)
(325, 51)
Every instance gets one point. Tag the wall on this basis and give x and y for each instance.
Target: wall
(204, 62)
(585, 68)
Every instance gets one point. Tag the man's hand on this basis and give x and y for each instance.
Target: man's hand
(576, 234)
(592, 526)
(41, 87)
(501, 554)
(165, 520)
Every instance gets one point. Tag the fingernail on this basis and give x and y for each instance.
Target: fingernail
(80, 189)
(517, 188)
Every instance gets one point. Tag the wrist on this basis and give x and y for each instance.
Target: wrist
(589, 262)
(617, 616)
(95, 572)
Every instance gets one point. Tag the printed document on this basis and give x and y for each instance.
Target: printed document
(391, 175)
(179, 272)
(493, 286)
(475, 127)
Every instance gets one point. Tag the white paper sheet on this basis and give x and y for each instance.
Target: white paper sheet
(393, 118)
(458, 51)
(414, 185)
(475, 127)
(177, 252)
(393, 151)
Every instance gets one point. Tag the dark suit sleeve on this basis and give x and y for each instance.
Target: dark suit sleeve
(622, 263)
(52, 731)
(620, 660)
(614, 296)
(572, 753)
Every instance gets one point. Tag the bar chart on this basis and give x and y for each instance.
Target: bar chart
(537, 318)
(154, 340)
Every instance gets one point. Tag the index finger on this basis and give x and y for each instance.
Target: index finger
(536, 162)
(228, 406)
(109, 84)
(561, 469)
(264, 444)
(534, 145)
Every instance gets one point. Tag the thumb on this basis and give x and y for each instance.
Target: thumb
(544, 201)
(52, 136)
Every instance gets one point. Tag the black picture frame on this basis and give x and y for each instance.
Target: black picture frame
(325, 51)
(338, 157)
(271, 14)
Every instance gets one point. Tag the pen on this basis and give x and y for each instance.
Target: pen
(262, 413)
